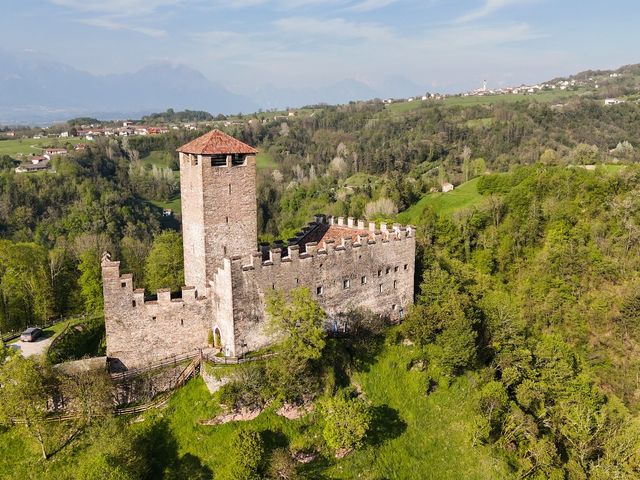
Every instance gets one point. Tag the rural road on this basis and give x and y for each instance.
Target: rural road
(32, 348)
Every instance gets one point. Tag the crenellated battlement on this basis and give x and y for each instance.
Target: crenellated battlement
(327, 237)
(122, 285)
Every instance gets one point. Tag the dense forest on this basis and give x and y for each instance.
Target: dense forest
(531, 295)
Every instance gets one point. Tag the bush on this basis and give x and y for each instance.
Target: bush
(79, 341)
(346, 421)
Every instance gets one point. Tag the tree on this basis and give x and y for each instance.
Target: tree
(346, 420)
(91, 281)
(299, 322)
(247, 449)
(164, 266)
(114, 453)
(25, 389)
(89, 393)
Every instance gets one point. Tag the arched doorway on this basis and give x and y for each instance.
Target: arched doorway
(217, 339)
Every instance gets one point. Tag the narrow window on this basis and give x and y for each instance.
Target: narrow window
(395, 284)
(388, 269)
(297, 281)
(229, 189)
(393, 307)
(406, 266)
(363, 280)
(226, 219)
(380, 288)
(224, 249)
(273, 286)
(133, 303)
(319, 290)
(181, 322)
(346, 283)
(395, 269)
(379, 273)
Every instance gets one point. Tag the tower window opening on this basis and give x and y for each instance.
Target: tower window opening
(406, 266)
(224, 250)
(363, 280)
(226, 219)
(388, 269)
(218, 161)
(238, 160)
(123, 284)
(319, 290)
(181, 322)
(380, 286)
(395, 284)
(346, 283)
(229, 189)
(195, 161)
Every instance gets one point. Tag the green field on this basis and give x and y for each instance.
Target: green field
(174, 204)
(544, 97)
(465, 195)
(158, 158)
(413, 435)
(27, 146)
(265, 161)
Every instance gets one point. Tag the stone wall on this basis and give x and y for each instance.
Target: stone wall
(142, 332)
(375, 272)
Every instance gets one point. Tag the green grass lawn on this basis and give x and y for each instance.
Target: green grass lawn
(174, 204)
(27, 146)
(423, 437)
(158, 158)
(413, 436)
(465, 195)
(545, 97)
(265, 161)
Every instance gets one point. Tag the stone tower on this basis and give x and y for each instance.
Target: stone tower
(219, 211)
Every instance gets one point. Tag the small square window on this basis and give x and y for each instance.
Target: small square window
(153, 319)
(363, 280)
(346, 283)
(395, 269)
(319, 290)
(388, 269)
(123, 284)
(406, 266)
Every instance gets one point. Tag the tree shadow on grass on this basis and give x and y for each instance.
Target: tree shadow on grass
(161, 449)
(386, 424)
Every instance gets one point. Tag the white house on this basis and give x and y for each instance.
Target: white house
(447, 187)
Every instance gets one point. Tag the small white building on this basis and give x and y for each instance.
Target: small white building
(447, 187)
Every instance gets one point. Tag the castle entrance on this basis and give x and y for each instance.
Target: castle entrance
(217, 340)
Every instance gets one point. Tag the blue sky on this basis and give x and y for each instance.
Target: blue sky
(444, 45)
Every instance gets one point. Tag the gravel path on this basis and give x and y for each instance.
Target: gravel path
(32, 348)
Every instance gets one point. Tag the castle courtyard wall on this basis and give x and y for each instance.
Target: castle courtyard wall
(375, 273)
(142, 332)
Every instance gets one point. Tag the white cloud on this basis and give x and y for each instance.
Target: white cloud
(118, 8)
(488, 8)
(333, 28)
(113, 25)
(368, 5)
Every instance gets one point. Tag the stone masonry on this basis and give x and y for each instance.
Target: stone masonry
(345, 264)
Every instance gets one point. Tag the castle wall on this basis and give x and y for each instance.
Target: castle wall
(142, 332)
(192, 201)
(376, 272)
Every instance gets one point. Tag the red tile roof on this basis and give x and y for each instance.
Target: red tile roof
(216, 142)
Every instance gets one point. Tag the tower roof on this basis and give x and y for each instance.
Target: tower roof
(214, 143)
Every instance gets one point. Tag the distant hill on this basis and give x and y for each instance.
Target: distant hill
(35, 89)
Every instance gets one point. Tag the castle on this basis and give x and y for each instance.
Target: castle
(345, 264)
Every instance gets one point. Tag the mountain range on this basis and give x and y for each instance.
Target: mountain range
(36, 89)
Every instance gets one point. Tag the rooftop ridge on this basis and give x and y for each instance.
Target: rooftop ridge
(216, 142)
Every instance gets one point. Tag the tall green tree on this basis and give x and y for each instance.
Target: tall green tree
(164, 267)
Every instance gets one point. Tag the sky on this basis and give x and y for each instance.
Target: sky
(443, 45)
